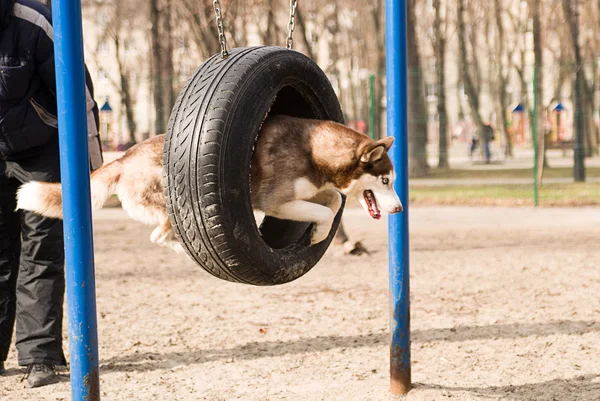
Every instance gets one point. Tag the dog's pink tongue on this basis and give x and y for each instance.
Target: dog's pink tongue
(374, 210)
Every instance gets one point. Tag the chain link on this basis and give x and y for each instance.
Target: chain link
(222, 40)
(291, 23)
(221, 30)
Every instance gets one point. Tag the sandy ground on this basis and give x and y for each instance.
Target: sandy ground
(505, 306)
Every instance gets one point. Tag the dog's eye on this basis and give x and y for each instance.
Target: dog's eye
(385, 180)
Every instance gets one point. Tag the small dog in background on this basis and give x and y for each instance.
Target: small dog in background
(299, 167)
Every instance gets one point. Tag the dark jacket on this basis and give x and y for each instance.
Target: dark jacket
(28, 84)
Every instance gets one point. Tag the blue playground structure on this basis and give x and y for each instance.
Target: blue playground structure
(79, 252)
(77, 215)
(399, 254)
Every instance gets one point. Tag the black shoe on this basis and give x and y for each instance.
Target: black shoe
(39, 374)
(2, 370)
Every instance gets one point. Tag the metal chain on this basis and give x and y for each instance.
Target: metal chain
(220, 29)
(292, 23)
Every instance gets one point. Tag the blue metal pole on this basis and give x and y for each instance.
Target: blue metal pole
(397, 126)
(75, 175)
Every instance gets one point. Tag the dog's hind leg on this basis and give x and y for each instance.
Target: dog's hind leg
(164, 236)
(300, 210)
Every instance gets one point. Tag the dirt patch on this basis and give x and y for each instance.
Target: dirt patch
(505, 306)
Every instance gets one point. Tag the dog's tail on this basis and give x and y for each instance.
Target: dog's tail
(46, 198)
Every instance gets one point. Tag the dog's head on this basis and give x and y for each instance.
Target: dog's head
(374, 186)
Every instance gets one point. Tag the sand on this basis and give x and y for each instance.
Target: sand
(505, 306)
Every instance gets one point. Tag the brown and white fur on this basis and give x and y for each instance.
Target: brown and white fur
(298, 167)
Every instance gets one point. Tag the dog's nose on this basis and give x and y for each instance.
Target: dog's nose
(398, 209)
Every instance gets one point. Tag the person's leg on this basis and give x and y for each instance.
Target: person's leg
(10, 245)
(40, 291)
(41, 281)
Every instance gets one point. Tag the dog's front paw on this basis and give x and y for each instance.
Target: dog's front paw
(320, 232)
(176, 246)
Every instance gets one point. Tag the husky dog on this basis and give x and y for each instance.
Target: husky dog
(298, 168)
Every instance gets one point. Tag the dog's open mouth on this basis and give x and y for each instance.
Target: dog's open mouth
(372, 204)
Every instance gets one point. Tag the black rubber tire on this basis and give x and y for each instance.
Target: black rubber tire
(208, 148)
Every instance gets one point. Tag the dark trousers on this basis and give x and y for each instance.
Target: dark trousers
(488, 153)
(32, 281)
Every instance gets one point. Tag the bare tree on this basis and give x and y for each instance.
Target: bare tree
(168, 72)
(539, 95)
(470, 86)
(440, 34)
(521, 24)
(589, 50)
(117, 30)
(303, 33)
(579, 151)
(377, 15)
(202, 26)
(157, 68)
(272, 31)
(501, 59)
(417, 108)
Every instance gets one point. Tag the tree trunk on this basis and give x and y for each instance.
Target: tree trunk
(591, 148)
(596, 128)
(157, 66)
(379, 27)
(204, 28)
(470, 89)
(230, 22)
(168, 75)
(270, 32)
(417, 108)
(579, 148)
(475, 66)
(591, 107)
(126, 100)
(440, 58)
(539, 101)
(459, 98)
(502, 82)
(528, 113)
(303, 36)
(353, 96)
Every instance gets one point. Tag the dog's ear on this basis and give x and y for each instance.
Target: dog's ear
(374, 152)
(388, 141)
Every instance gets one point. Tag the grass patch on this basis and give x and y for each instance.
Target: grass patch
(578, 194)
(482, 173)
